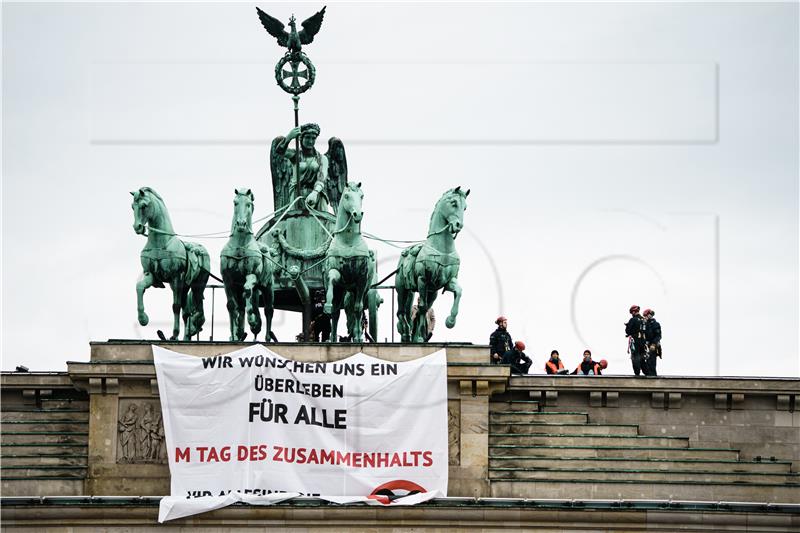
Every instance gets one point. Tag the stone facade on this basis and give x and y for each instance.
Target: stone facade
(96, 430)
(450, 516)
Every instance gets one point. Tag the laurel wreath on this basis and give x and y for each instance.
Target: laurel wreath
(290, 57)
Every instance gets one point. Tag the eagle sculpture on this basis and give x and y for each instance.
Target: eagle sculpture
(292, 39)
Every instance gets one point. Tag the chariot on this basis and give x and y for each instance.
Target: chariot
(299, 240)
(310, 255)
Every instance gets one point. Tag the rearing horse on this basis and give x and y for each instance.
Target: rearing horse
(430, 266)
(167, 259)
(349, 265)
(247, 271)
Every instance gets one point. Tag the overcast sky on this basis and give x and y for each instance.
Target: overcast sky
(617, 153)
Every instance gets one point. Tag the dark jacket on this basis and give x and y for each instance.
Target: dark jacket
(652, 331)
(587, 366)
(520, 363)
(500, 342)
(515, 357)
(635, 327)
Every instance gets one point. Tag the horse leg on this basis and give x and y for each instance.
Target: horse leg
(251, 304)
(142, 285)
(336, 309)
(269, 309)
(230, 292)
(357, 309)
(422, 306)
(373, 301)
(404, 301)
(347, 305)
(426, 299)
(196, 302)
(332, 278)
(455, 288)
(177, 291)
(187, 309)
(240, 305)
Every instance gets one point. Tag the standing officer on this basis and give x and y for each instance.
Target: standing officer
(652, 334)
(500, 341)
(634, 329)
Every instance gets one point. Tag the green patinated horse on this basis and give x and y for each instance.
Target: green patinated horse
(247, 272)
(167, 259)
(431, 266)
(349, 265)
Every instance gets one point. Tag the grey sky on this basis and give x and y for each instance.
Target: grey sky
(617, 154)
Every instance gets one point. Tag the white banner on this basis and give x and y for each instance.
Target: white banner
(254, 426)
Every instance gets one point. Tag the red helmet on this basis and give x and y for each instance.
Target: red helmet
(649, 312)
(519, 345)
(603, 364)
(500, 319)
(633, 309)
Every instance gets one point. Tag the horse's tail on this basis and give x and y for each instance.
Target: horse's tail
(268, 266)
(197, 287)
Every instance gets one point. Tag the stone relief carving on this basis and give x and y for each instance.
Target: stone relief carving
(141, 433)
(454, 432)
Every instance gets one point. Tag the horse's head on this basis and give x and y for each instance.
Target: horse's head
(450, 208)
(350, 204)
(242, 211)
(143, 208)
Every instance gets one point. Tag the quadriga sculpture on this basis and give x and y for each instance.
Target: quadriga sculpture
(167, 259)
(247, 271)
(431, 266)
(349, 265)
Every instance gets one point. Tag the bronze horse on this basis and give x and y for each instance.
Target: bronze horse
(349, 265)
(431, 266)
(167, 259)
(247, 272)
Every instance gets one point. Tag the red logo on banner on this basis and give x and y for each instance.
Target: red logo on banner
(391, 490)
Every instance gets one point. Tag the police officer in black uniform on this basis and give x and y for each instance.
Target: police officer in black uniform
(652, 335)
(320, 321)
(500, 341)
(634, 329)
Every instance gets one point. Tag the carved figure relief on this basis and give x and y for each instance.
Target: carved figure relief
(141, 433)
(454, 432)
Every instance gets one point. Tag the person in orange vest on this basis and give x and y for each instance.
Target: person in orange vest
(589, 367)
(554, 365)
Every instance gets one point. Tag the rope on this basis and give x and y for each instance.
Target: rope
(446, 226)
(346, 224)
(390, 242)
(212, 275)
(286, 210)
(311, 210)
(395, 271)
(275, 263)
(218, 234)
(375, 237)
(312, 266)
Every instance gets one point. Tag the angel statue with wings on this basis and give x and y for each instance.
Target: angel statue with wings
(322, 177)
